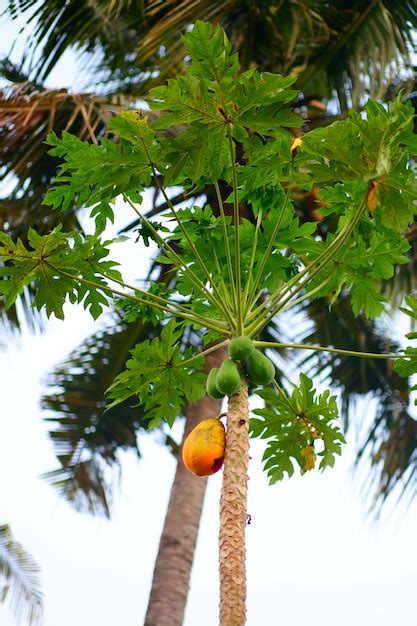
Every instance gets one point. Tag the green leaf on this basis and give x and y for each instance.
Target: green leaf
(365, 297)
(411, 302)
(195, 156)
(376, 146)
(57, 270)
(133, 311)
(263, 102)
(186, 100)
(368, 259)
(94, 175)
(27, 266)
(407, 366)
(294, 425)
(210, 52)
(333, 153)
(157, 376)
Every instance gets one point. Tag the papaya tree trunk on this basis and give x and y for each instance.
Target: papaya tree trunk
(233, 516)
(171, 578)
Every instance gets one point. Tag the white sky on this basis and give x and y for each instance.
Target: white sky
(313, 556)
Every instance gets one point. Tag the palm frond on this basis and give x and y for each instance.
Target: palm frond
(86, 439)
(84, 26)
(338, 326)
(352, 48)
(391, 450)
(388, 442)
(367, 52)
(15, 73)
(19, 576)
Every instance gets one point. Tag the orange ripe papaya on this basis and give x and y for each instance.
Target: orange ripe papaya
(203, 449)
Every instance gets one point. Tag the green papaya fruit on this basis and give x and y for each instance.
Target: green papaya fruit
(228, 378)
(261, 370)
(241, 348)
(211, 386)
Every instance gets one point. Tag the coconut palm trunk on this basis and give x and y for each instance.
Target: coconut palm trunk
(171, 577)
(233, 516)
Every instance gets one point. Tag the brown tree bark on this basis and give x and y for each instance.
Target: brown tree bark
(233, 516)
(173, 564)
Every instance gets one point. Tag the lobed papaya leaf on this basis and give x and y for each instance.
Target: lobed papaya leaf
(293, 425)
(157, 375)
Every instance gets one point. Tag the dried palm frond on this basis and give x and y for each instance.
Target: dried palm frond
(26, 117)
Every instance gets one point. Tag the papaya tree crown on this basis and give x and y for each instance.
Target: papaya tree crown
(245, 256)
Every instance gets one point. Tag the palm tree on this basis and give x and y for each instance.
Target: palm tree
(340, 52)
(19, 579)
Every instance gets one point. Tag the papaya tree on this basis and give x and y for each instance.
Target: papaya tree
(234, 275)
(344, 52)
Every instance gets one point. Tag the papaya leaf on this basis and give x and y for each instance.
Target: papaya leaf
(155, 373)
(54, 267)
(293, 425)
(211, 53)
(407, 366)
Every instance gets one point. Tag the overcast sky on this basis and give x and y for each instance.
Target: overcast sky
(314, 558)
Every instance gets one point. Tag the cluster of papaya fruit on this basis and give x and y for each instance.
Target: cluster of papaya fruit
(203, 449)
(226, 379)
